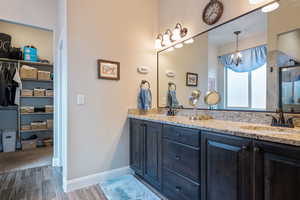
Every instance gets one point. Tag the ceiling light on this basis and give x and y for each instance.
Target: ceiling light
(255, 1)
(189, 41)
(170, 49)
(177, 46)
(236, 58)
(270, 8)
(158, 41)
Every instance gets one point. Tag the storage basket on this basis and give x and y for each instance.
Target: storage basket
(28, 72)
(28, 144)
(44, 75)
(49, 109)
(38, 125)
(49, 93)
(27, 109)
(38, 92)
(9, 140)
(27, 93)
(50, 123)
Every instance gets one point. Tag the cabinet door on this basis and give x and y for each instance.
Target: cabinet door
(225, 168)
(153, 154)
(136, 146)
(277, 171)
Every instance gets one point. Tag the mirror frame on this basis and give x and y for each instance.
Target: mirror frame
(201, 33)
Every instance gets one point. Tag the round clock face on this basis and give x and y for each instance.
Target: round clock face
(212, 12)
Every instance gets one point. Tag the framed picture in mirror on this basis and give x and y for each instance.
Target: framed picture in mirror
(191, 79)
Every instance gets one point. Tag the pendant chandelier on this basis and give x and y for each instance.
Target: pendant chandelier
(236, 58)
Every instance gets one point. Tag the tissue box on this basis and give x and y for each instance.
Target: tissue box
(38, 92)
(27, 72)
(44, 75)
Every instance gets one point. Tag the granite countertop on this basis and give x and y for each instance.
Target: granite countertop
(249, 130)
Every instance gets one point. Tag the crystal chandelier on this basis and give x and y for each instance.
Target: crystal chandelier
(236, 58)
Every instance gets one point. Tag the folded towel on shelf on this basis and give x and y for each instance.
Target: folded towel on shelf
(172, 99)
(145, 99)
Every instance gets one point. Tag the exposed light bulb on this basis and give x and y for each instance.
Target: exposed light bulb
(177, 46)
(176, 34)
(166, 39)
(255, 1)
(158, 44)
(189, 41)
(170, 49)
(270, 8)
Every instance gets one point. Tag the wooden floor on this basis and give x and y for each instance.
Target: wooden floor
(20, 160)
(42, 183)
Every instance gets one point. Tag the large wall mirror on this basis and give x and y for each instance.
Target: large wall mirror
(259, 74)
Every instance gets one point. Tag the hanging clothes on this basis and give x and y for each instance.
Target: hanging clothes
(17, 79)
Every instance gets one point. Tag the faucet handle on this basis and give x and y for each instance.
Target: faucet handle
(274, 120)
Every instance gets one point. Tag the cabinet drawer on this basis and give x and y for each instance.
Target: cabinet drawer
(181, 159)
(182, 135)
(176, 187)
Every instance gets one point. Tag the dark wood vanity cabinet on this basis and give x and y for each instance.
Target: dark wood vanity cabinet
(277, 171)
(225, 169)
(191, 164)
(145, 151)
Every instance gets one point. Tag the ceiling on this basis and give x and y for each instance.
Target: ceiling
(252, 24)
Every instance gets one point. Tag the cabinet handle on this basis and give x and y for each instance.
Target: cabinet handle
(257, 149)
(178, 189)
(177, 157)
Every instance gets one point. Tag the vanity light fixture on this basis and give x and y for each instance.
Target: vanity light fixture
(189, 41)
(177, 46)
(158, 41)
(167, 38)
(271, 7)
(236, 58)
(179, 32)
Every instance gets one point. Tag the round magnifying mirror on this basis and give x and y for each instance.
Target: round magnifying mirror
(194, 98)
(212, 98)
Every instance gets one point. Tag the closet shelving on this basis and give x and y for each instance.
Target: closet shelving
(27, 118)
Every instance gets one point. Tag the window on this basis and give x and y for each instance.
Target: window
(246, 89)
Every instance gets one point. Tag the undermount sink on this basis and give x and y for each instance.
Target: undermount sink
(271, 129)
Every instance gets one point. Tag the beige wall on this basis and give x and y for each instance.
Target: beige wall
(189, 13)
(25, 35)
(189, 58)
(124, 31)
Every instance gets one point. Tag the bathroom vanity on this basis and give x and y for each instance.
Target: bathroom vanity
(215, 159)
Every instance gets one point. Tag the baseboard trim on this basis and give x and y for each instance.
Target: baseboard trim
(78, 183)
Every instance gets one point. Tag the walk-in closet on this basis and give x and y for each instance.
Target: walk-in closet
(26, 97)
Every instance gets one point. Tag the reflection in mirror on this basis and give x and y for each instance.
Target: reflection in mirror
(241, 60)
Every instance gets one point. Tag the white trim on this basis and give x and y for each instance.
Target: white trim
(56, 162)
(78, 183)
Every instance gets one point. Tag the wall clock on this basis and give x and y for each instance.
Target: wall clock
(212, 12)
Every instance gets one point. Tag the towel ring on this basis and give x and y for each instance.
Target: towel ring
(144, 82)
(172, 84)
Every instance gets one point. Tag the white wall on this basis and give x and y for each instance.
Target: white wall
(124, 31)
(39, 13)
(26, 35)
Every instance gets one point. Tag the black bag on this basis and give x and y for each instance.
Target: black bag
(16, 53)
(5, 43)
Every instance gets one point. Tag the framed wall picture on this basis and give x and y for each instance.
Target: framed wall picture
(109, 70)
(191, 79)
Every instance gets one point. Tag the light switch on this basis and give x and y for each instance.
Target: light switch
(80, 99)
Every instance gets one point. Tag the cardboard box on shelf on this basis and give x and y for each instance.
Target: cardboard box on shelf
(27, 93)
(28, 72)
(38, 125)
(50, 123)
(49, 109)
(28, 144)
(49, 93)
(27, 109)
(44, 75)
(38, 92)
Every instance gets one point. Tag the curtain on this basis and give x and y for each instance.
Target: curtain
(251, 59)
